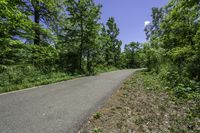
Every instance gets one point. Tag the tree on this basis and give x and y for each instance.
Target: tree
(153, 30)
(43, 13)
(114, 45)
(12, 21)
(82, 29)
(130, 54)
(174, 32)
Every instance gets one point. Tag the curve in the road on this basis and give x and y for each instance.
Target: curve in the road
(57, 108)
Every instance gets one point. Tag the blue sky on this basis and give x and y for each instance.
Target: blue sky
(130, 16)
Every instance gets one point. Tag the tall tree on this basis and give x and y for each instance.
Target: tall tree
(174, 31)
(130, 51)
(42, 13)
(153, 30)
(113, 46)
(84, 16)
(13, 22)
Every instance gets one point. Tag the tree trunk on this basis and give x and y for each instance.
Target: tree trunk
(81, 46)
(37, 22)
(89, 62)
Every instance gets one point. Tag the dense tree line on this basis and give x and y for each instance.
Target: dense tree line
(173, 48)
(69, 28)
(45, 36)
(39, 37)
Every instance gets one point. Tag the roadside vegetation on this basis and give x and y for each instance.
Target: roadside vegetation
(166, 98)
(45, 41)
(144, 105)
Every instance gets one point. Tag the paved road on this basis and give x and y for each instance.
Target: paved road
(57, 108)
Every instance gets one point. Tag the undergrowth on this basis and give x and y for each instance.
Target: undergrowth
(184, 96)
(24, 76)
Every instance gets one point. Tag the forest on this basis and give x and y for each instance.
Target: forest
(44, 41)
(173, 50)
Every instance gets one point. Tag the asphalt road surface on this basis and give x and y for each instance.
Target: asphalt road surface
(57, 108)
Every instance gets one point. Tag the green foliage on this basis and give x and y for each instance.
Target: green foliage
(103, 68)
(97, 130)
(136, 55)
(80, 33)
(44, 58)
(97, 115)
(14, 52)
(151, 81)
(26, 75)
(173, 49)
(42, 38)
(130, 53)
(173, 53)
(113, 45)
(183, 96)
(12, 20)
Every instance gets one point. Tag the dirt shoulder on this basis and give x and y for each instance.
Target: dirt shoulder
(138, 108)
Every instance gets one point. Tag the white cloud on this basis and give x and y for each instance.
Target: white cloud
(146, 23)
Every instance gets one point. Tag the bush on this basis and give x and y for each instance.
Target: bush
(102, 68)
(15, 53)
(27, 75)
(18, 74)
(178, 81)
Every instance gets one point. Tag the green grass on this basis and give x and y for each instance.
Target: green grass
(97, 130)
(190, 102)
(26, 76)
(97, 115)
(101, 69)
(19, 77)
(38, 80)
